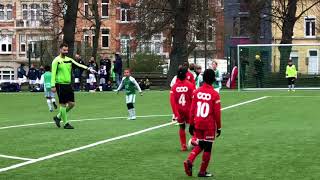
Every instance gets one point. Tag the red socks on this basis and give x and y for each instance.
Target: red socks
(194, 153)
(182, 135)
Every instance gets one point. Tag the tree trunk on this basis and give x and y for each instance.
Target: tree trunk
(97, 22)
(179, 52)
(70, 22)
(287, 33)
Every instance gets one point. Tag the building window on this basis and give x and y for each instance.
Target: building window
(105, 38)
(45, 12)
(9, 11)
(24, 11)
(6, 74)
(154, 45)
(1, 12)
(6, 44)
(125, 13)
(310, 27)
(35, 12)
(22, 39)
(105, 8)
(124, 43)
(86, 8)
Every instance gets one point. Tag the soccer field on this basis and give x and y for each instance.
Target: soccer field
(265, 135)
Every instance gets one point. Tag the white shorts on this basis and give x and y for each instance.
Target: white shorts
(131, 98)
(76, 80)
(32, 82)
(91, 79)
(22, 80)
(217, 89)
(48, 94)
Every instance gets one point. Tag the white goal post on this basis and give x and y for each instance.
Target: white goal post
(270, 72)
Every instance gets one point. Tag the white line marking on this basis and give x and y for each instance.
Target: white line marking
(296, 96)
(15, 157)
(78, 120)
(246, 102)
(108, 140)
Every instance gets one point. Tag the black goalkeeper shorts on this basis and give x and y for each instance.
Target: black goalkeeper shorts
(291, 80)
(65, 93)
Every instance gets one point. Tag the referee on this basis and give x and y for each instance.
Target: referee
(61, 83)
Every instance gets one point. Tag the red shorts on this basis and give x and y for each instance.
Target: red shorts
(205, 134)
(184, 117)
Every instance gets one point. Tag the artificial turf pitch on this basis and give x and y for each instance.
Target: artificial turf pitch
(273, 138)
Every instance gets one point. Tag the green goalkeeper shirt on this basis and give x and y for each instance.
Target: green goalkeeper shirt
(61, 70)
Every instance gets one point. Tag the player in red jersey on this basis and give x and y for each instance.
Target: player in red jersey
(180, 100)
(205, 123)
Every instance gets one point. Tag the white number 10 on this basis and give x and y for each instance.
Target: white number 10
(203, 109)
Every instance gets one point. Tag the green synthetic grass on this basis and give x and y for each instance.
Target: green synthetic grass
(274, 138)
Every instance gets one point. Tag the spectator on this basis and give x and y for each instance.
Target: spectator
(118, 68)
(32, 76)
(142, 84)
(91, 81)
(77, 72)
(102, 77)
(147, 82)
(108, 86)
(106, 62)
(21, 75)
(243, 66)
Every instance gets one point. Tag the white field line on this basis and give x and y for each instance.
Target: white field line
(78, 120)
(107, 140)
(15, 157)
(296, 96)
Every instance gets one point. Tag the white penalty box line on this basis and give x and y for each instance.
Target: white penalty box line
(32, 161)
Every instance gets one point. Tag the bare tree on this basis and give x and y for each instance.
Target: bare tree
(182, 18)
(69, 24)
(285, 15)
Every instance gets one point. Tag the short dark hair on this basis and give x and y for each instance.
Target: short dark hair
(208, 76)
(63, 45)
(47, 68)
(182, 74)
(186, 64)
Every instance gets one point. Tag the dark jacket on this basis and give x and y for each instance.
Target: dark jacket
(21, 72)
(107, 63)
(33, 74)
(118, 65)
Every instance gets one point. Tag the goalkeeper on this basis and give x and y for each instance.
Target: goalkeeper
(291, 75)
(61, 83)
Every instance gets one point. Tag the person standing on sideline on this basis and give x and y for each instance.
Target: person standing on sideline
(258, 71)
(118, 68)
(32, 75)
(22, 77)
(291, 75)
(218, 77)
(105, 62)
(61, 83)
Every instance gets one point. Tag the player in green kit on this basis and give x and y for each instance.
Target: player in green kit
(61, 83)
(46, 79)
(218, 77)
(130, 85)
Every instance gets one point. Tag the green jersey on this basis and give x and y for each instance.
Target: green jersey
(217, 82)
(47, 81)
(130, 85)
(61, 70)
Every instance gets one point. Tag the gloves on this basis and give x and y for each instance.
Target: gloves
(92, 70)
(191, 129)
(218, 132)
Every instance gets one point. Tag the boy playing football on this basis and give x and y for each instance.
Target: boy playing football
(46, 80)
(205, 123)
(130, 85)
(180, 100)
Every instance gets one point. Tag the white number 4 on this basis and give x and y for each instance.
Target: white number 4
(182, 100)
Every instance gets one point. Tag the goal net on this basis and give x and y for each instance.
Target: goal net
(263, 66)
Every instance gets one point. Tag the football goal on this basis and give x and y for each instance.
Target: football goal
(263, 66)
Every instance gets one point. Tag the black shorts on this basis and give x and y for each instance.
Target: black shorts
(291, 80)
(65, 93)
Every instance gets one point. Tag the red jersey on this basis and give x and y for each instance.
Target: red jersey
(181, 98)
(190, 78)
(206, 109)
